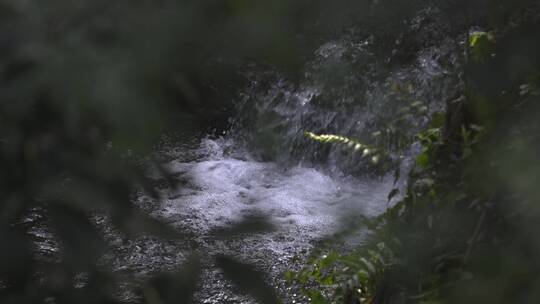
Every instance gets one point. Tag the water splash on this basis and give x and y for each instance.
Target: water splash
(346, 90)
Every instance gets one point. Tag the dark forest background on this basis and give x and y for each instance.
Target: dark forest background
(87, 89)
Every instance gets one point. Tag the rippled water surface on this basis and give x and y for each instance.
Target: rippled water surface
(218, 190)
(267, 171)
(223, 190)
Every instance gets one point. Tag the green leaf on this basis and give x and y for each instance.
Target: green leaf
(482, 45)
(376, 256)
(316, 297)
(290, 276)
(369, 266)
(423, 159)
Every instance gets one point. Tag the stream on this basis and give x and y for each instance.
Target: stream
(300, 205)
(264, 169)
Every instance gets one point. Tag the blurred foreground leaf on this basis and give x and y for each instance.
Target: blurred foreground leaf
(174, 288)
(251, 225)
(247, 279)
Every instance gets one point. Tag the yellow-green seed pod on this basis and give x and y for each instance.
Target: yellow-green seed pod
(366, 152)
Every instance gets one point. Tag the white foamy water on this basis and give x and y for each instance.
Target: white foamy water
(219, 185)
(222, 190)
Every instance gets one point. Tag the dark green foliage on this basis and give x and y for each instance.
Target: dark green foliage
(86, 90)
(465, 231)
(358, 276)
(88, 87)
(481, 45)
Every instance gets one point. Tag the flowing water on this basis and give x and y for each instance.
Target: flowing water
(265, 170)
(222, 187)
(300, 204)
